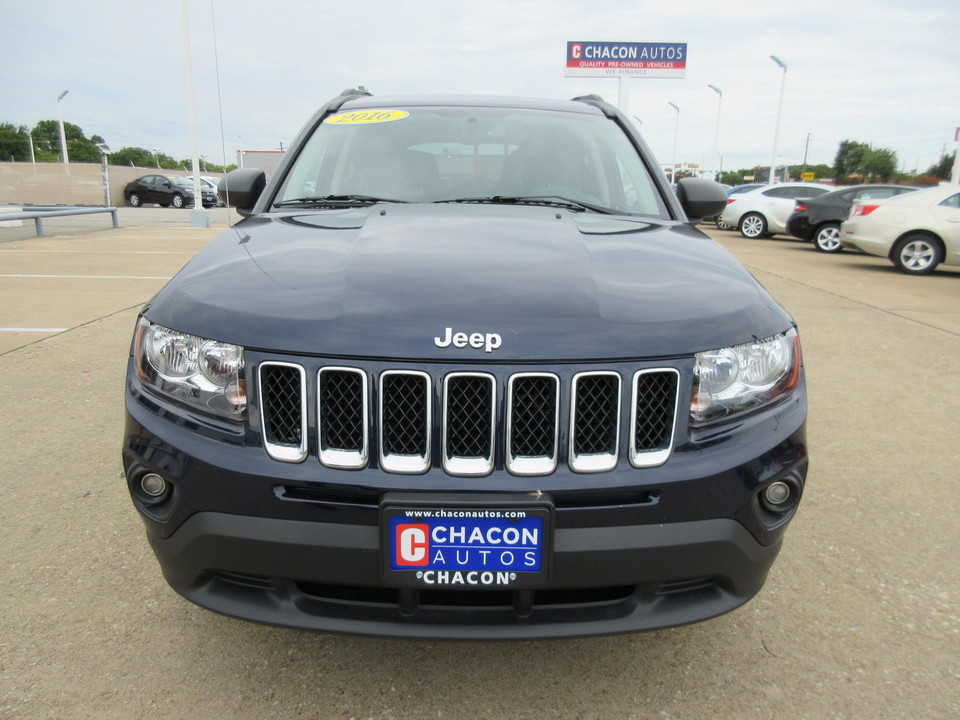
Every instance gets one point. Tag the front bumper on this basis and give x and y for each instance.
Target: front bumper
(299, 544)
(325, 576)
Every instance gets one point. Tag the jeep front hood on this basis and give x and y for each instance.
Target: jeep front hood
(384, 281)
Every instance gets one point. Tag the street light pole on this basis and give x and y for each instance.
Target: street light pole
(776, 131)
(63, 136)
(676, 128)
(716, 131)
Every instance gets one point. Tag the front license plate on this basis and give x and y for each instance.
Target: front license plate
(492, 548)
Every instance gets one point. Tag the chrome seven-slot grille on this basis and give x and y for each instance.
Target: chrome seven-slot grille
(404, 420)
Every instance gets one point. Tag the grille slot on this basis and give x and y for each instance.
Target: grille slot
(283, 411)
(653, 419)
(405, 421)
(342, 417)
(469, 404)
(533, 420)
(594, 418)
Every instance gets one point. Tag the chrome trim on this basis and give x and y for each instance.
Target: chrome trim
(406, 464)
(283, 451)
(652, 458)
(469, 466)
(529, 465)
(592, 462)
(344, 459)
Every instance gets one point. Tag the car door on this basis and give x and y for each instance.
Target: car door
(163, 190)
(145, 187)
(777, 206)
(947, 213)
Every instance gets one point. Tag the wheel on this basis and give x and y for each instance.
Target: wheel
(135, 200)
(177, 200)
(753, 225)
(827, 238)
(721, 225)
(917, 254)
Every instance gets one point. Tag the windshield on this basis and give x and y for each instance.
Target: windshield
(470, 154)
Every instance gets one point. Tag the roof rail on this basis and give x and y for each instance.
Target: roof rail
(347, 94)
(598, 102)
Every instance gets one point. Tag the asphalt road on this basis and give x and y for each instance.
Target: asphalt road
(859, 617)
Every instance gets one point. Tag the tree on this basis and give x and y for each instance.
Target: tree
(943, 169)
(857, 158)
(46, 140)
(849, 159)
(879, 164)
(731, 178)
(14, 143)
(134, 156)
(141, 157)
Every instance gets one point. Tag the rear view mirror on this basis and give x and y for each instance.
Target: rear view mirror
(701, 198)
(241, 189)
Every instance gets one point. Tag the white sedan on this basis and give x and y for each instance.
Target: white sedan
(764, 211)
(917, 231)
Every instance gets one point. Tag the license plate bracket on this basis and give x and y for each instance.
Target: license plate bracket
(466, 542)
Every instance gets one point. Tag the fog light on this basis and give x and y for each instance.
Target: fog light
(777, 493)
(153, 485)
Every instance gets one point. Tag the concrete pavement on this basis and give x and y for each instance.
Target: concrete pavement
(859, 617)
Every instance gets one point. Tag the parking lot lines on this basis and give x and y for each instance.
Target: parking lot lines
(54, 284)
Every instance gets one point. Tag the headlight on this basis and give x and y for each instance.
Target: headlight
(203, 373)
(736, 379)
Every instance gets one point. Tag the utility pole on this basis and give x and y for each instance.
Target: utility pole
(806, 147)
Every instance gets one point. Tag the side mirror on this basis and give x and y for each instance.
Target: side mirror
(701, 198)
(242, 188)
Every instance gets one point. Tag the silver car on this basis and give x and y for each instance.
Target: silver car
(764, 211)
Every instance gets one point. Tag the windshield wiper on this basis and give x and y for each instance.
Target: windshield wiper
(335, 200)
(547, 200)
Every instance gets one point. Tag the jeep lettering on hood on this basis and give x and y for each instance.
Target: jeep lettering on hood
(487, 341)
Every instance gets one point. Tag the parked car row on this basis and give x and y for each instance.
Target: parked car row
(818, 219)
(169, 190)
(917, 229)
(764, 210)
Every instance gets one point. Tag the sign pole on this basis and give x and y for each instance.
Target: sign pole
(623, 98)
(955, 176)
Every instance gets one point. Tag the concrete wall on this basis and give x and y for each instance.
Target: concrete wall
(24, 183)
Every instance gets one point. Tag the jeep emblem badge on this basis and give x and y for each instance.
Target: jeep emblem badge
(487, 341)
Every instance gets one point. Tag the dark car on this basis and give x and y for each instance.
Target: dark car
(166, 190)
(466, 369)
(818, 218)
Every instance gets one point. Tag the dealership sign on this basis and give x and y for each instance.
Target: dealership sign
(612, 59)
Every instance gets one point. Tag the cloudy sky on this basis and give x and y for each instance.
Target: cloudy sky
(885, 72)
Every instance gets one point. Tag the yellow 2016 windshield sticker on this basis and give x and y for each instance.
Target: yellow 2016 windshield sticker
(366, 117)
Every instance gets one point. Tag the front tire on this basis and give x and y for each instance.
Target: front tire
(177, 200)
(827, 238)
(135, 200)
(917, 254)
(753, 225)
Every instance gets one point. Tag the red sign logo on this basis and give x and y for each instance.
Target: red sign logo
(412, 543)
